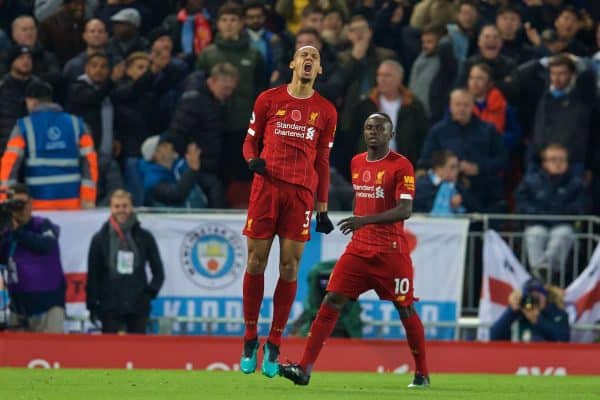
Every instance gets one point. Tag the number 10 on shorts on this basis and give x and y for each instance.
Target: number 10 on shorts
(402, 286)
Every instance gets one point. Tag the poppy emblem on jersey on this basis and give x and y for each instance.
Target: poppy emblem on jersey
(312, 119)
(296, 115)
(366, 177)
(379, 177)
(280, 113)
(212, 256)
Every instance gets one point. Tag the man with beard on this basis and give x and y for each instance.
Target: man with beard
(117, 292)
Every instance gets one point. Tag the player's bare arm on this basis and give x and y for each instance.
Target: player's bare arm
(399, 213)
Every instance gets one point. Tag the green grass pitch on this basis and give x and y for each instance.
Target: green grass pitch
(88, 384)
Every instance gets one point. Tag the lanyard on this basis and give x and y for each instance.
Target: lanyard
(117, 229)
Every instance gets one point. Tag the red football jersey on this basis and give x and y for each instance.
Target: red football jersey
(378, 185)
(296, 137)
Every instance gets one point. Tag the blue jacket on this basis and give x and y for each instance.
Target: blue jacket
(552, 325)
(174, 187)
(539, 193)
(426, 191)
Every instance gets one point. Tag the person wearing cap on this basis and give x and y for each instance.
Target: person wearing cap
(12, 90)
(62, 32)
(24, 32)
(539, 312)
(170, 181)
(56, 151)
(126, 37)
(118, 291)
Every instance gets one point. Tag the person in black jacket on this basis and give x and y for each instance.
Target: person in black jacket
(12, 90)
(199, 118)
(89, 97)
(117, 291)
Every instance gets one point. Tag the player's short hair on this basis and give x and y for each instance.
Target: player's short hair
(396, 65)
(97, 54)
(310, 31)
(471, 3)
(224, 69)
(461, 91)
(440, 158)
(120, 194)
(252, 4)
(312, 9)
(383, 115)
(509, 8)
(230, 8)
(562, 60)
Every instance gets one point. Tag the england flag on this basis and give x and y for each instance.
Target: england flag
(502, 273)
(582, 298)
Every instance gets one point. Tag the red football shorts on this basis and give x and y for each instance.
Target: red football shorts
(278, 208)
(389, 274)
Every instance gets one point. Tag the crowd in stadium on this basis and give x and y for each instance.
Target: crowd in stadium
(493, 101)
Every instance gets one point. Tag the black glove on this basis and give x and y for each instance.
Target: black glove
(257, 165)
(324, 224)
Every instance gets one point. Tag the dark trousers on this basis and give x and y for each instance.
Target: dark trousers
(133, 323)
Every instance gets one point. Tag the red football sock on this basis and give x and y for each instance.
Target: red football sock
(320, 330)
(253, 291)
(415, 336)
(283, 299)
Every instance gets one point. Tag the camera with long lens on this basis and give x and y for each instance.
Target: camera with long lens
(7, 208)
(529, 301)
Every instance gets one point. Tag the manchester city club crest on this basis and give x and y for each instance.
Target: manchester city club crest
(212, 256)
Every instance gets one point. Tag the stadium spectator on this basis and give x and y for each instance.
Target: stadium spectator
(118, 293)
(12, 90)
(233, 45)
(200, 119)
(439, 192)
(89, 97)
(110, 8)
(510, 24)
(54, 152)
(491, 105)
(490, 45)
(390, 32)
(10, 10)
(550, 188)
(432, 12)
(45, 64)
(287, 148)
(390, 96)
(126, 37)
(61, 33)
(463, 33)
(539, 312)
(95, 38)
(190, 30)
(169, 180)
(43, 9)
(300, 15)
(567, 25)
(563, 115)
(262, 39)
(360, 63)
(434, 72)
(36, 282)
(334, 32)
(377, 253)
(478, 146)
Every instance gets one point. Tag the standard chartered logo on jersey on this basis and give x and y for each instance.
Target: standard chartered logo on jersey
(369, 191)
(212, 255)
(294, 130)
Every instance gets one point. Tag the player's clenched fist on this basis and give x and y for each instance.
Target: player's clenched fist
(324, 224)
(257, 165)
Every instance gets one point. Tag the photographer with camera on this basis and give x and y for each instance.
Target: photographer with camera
(538, 312)
(33, 271)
